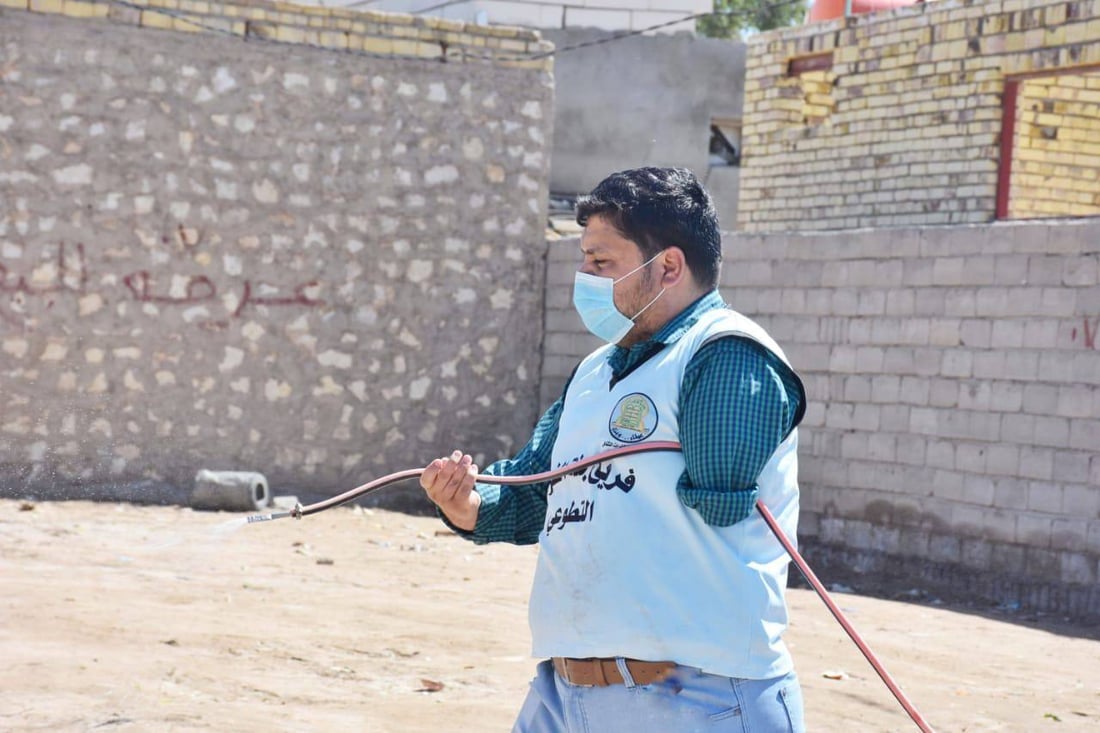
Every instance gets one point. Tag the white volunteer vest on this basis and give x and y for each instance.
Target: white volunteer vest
(624, 568)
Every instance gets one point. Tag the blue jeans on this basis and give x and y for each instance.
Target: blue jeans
(685, 702)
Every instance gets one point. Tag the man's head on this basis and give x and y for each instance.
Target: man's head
(651, 248)
(658, 208)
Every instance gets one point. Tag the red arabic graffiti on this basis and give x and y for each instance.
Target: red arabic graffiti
(20, 289)
(72, 275)
(1089, 328)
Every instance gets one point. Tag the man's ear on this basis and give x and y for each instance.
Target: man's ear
(674, 267)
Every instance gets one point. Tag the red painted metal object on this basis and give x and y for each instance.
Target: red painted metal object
(829, 9)
(1008, 142)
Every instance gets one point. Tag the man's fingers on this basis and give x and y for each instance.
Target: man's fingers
(456, 473)
(431, 474)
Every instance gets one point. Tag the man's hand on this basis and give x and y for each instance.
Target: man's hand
(449, 483)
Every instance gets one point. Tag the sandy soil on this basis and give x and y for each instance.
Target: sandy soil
(137, 618)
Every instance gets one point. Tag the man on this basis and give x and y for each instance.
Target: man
(658, 594)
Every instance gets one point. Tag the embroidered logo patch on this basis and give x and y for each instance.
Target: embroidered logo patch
(633, 419)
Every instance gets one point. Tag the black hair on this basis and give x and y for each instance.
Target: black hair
(658, 208)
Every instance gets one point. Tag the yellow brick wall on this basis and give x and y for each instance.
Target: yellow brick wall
(364, 32)
(1056, 166)
(905, 127)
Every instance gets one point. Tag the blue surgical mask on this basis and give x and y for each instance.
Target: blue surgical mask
(594, 299)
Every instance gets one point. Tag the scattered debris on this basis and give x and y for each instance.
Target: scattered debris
(26, 506)
(1053, 717)
(325, 561)
(835, 675)
(170, 642)
(430, 686)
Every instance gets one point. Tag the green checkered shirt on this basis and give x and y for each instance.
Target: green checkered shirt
(738, 402)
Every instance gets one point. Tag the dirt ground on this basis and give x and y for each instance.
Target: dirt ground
(117, 617)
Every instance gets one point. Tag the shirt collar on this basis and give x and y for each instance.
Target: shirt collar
(621, 358)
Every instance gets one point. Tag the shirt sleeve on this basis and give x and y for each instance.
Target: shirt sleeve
(515, 513)
(738, 402)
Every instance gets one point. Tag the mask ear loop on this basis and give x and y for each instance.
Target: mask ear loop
(658, 295)
(624, 277)
(643, 310)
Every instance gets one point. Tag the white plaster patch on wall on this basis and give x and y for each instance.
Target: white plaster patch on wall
(93, 355)
(437, 92)
(135, 130)
(131, 382)
(265, 191)
(276, 390)
(532, 109)
(233, 358)
(336, 359)
(501, 299)
(165, 378)
(293, 81)
(473, 148)
(17, 347)
(190, 315)
(419, 270)
(359, 389)
(232, 264)
(127, 352)
(55, 351)
(441, 174)
(252, 331)
(328, 387)
(223, 80)
(242, 385)
(73, 175)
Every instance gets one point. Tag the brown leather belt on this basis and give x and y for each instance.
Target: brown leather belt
(603, 672)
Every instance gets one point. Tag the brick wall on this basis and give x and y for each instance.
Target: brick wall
(221, 250)
(953, 429)
(1056, 160)
(611, 15)
(904, 128)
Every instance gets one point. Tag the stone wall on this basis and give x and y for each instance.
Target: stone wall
(953, 429)
(894, 118)
(1056, 156)
(320, 259)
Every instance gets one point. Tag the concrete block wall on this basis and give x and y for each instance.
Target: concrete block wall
(953, 427)
(222, 250)
(904, 128)
(1056, 160)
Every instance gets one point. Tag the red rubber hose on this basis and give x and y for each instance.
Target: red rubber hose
(302, 511)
